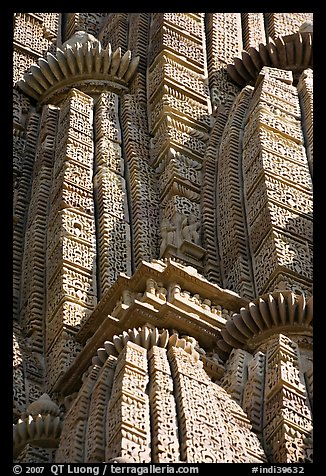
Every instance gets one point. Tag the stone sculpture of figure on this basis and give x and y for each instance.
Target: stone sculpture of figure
(190, 227)
(168, 234)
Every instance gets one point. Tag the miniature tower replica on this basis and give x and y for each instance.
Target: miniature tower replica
(162, 266)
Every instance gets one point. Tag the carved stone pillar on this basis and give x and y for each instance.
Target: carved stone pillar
(163, 407)
(34, 263)
(224, 42)
(235, 376)
(72, 448)
(253, 393)
(232, 233)
(253, 30)
(71, 273)
(26, 150)
(287, 416)
(277, 186)
(95, 445)
(113, 228)
(179, 109)
(128, 424)
(81, 65)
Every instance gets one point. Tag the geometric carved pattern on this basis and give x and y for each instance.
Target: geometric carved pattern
(165, 435)
(253, 29)
(110, 193)
(191, 429)
(90, 22)
(291, 52)
(127, 423)
(145, 204)
(278, 24)
(234, 377)
(287, 415)
(231, 224)
(305, 90)
(209, 206)
(34, 264)
(71, 446)
(114, 29)
(95, 450)
(136, 144)
(278, 188)
(268, 313)
(224, 42)
(177, 61)
(254, 391)
(26, 152)
(71, 251)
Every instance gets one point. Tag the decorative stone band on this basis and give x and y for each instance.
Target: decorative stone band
(146, 336)
(40, 426)
(290, 52)
(277, 312)
(81, 61)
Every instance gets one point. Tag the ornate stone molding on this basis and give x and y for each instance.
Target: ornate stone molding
(146, 336)
(135, 403)
(277, 312)
(165, 294)
(83, 61)
(289, 52)
(166, 271)
(40, 426)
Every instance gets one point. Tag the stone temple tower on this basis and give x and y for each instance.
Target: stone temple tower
(162, 234)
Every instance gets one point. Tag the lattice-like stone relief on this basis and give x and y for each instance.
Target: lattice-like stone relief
(287, 416)
(150, 358)
(224, 42)
(162, 265)
(280, 182)
(285, 23)
(71, 270)
(114, 30)
(253, 29)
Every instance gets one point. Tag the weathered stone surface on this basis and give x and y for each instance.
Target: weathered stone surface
(163, 239)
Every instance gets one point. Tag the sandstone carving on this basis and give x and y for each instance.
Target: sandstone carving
(279, 53)
(163, 238)
(190, 227)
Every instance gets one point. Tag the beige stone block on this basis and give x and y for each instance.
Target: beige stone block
(73, 285)
(281, 252)
(70, 223)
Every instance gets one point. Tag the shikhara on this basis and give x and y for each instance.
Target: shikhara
(163, 240)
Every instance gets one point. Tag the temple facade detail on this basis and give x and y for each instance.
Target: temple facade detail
(162, 237)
